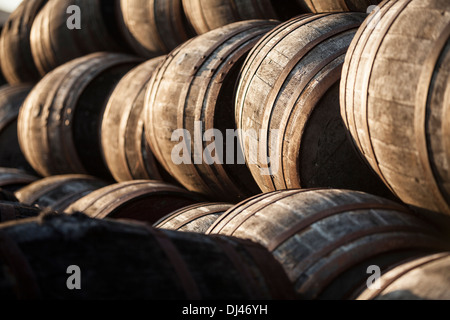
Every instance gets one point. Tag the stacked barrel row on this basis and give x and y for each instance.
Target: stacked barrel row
(117, 136)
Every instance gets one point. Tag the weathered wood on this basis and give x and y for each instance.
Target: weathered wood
(127, 260)
(53, 43)
(194, 218)
(154, 27)
(319, 6)
(326, 239)
(11, 99)
(16, 61)
(425, 278)
(12, 210)
(141, 200)
(58, 192)
(195, 85)
(206, 15)
(59, 122)
(12, 179)
(287, 108)
(124, 146)
(393, 101)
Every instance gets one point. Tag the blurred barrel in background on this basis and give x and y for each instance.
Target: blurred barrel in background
(59, 123)
(12, 179)
(16, 59)
(58, 192)
(153, 27)
(319, 6)
(12, 210)
(53, 43)
(11, 99)
(141, 200)
(145, 263)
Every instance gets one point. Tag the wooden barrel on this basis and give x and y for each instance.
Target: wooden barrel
(11, 210)
(425, 278)
(145, 263)
(287, 108)
(12, 179)
(58, 192)
(142, 200)
(206, 15)
(124, 146)
(16, 61)
(394, 99)
(11, 99)
(59, 122)
(53, 43)
(6, 195)
(192, 93)
(194, 218)
(154, 27)
(327, 238)
(319, 6)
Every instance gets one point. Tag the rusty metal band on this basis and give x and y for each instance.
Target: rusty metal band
(248, 282)
(236, 210)
(287, 70)
(7, 212)
(262, 205)
(316, 217)
(26, 286)
(420, 117)
(395, 242)
(365, 90)
(405, 268)
(181, 268)
(345, 71)
(320, 89)
(270, 270)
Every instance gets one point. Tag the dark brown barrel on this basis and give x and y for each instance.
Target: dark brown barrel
(126, 260)
(425, 278)
(11, 210)
(11, 99)
(58, 192)
(319, 6)
(194, 218)
(124, 146)
(287, 108)
(206, 15)
(16, 61)
(327, 238)
(6, 195)
(53, 43)
(394, 99)
(141, 200)
(191, 94)
(154, 27)
(12, 179)
(59, 123)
